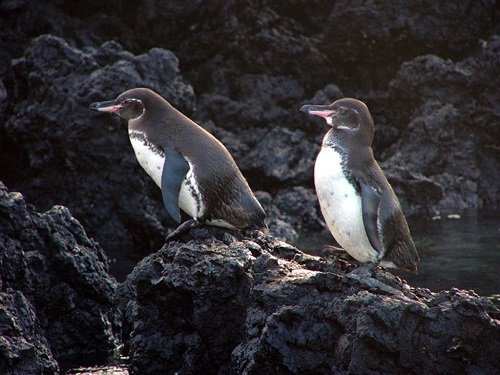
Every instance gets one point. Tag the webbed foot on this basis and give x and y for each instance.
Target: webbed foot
(183, 228)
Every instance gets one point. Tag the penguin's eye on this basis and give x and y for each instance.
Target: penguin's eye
(130, 102)
(342, 110)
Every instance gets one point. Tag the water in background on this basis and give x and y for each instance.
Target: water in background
(461, 251)
(454, 252)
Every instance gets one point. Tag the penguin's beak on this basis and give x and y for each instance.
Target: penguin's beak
(323, 111)
(109, 106)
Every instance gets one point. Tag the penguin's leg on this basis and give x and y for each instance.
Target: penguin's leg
(254, 233)
(183, 228)
(334, 249)
(366, 270)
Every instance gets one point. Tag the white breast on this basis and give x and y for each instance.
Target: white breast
(190, 199)
(341, 206)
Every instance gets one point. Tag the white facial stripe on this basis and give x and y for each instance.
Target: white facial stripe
(343, 127)
(138, 117)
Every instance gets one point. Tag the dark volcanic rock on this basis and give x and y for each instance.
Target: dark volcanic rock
(222, 304)
(252, 65)
(57, 152)
(370, 39)
(80, 25)
(226, 39)
(292, 211)
(255, 101)
(449, 130)
(23, 346)
(289, 158)
(57, 297)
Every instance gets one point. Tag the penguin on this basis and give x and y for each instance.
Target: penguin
(194, 170)
(358, 204)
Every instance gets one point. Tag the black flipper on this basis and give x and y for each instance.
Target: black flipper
(370, 202)
(175, 169)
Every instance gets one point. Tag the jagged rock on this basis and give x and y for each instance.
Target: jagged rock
(448, 131)
(93, 168)
(252, 65)
(23, 346)
(289, 158)
(57, 295)
(224, 39)
(291, 212)
(221, 303)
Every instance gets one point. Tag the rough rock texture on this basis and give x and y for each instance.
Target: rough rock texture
(452, 129)
(291, 212)
(23, 346)
(56, 297)
(215, 303)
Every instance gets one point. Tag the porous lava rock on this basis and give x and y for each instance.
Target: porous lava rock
(56, 296)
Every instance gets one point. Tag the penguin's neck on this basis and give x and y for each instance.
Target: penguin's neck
(354, 157)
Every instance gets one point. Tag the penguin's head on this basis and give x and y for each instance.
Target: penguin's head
(349, 118)
(129, 105)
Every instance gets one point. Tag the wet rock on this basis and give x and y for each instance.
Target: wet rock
(57, 296)
(219, 302)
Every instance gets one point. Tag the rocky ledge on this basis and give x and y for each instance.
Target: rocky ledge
(217, 302)
(221, 302)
